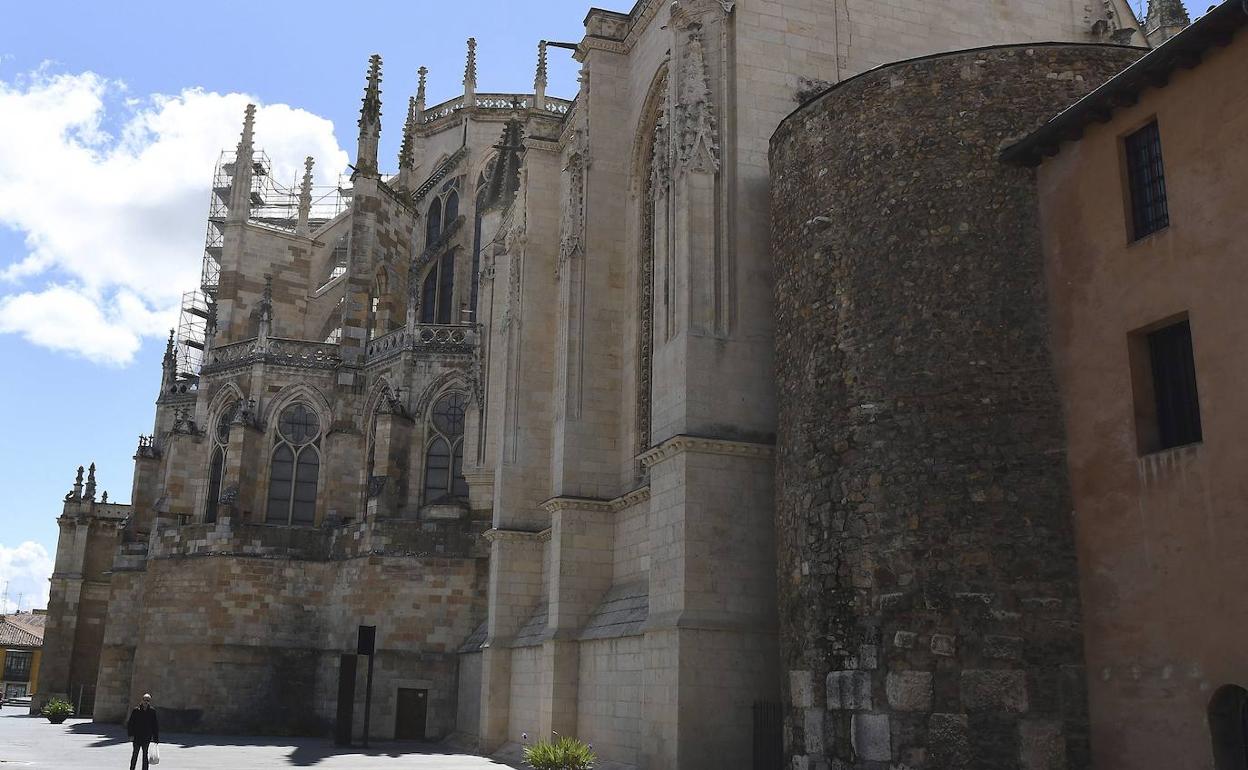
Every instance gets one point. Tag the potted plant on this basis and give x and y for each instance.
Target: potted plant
(57, 710)
(562, 754)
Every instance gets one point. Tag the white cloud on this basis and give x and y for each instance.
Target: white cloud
(110, 193)
(24, 573)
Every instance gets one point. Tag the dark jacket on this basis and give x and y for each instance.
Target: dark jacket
(142, 725)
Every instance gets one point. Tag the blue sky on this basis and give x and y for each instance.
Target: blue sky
(111, 116)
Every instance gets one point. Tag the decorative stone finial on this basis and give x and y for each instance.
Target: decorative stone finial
(77, 493)
(240, 185)
(265, 310)
(539, 81)
(90, 492)
(505, 175)
(423, 72)
(104, 498)
(169, 356)
(1165, 19)
(370, 121)
(305, 198)
(407, 147)
(470, 72)
(266, 299)
(249, 126)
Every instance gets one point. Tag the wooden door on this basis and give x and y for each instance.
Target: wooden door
(409, 719)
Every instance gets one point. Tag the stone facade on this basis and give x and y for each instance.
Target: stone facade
(929, 600)
(591, 282)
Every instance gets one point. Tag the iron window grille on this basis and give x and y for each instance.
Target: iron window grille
(17, 665)
(1174, 385)
(1147, 181)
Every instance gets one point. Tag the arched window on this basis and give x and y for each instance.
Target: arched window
(444, 453)
(379, 307)
(450, 210)
(437, 293)
(295, 467)
(1228, 727)
(216, 468)
(433, 223)
(483, 183)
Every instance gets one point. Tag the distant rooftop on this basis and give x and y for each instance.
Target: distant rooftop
(22, 630)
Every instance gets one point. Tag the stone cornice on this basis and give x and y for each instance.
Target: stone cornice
(597, 504)
(516, 535)
(712, 446)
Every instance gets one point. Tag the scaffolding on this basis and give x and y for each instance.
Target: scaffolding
(272, 205)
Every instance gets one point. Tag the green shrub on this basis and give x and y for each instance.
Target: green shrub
(563, 754)
(57, 707)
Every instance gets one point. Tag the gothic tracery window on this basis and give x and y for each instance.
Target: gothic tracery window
(653, 266)
(379, 307)
(437, 289)
(216, 467)
(294, 467)
(444, 452)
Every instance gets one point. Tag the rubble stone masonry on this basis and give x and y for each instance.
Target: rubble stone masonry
(929, 605)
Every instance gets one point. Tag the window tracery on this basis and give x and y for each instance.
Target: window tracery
(216, 467)
(294, 468)
(437, 289)
(444, 451)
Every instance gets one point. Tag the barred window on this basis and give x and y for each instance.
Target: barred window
(17, 665)
(1147, 180)
(1174, 385)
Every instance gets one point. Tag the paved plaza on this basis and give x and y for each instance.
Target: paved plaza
(79, 744)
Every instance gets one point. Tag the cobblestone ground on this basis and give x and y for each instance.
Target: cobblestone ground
(79, 744)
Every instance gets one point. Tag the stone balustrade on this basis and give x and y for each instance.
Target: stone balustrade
(283, 352)
(429, 338)
(496, 102)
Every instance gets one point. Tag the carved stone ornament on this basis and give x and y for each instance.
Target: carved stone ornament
(229, 495)
(694, 112)
(572, 215)
(476, 376)
(376, 485)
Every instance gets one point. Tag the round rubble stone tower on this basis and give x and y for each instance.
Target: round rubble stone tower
(929, 593)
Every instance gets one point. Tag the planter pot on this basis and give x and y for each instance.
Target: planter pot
(58, 719)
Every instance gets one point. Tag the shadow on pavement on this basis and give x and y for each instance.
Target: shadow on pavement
(305, 752)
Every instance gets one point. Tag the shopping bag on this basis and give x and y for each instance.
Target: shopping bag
(153, 754)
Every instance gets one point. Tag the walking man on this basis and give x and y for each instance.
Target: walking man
(143, 729)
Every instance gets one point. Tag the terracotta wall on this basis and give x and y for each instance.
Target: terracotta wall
(1160, 535)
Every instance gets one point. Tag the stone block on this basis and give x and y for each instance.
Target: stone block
(812, 725)
(801, 689)
(948, 741)
(909, 690)
(943, 644)
(871, 737)
(1041, 745)
(1003, 647)
(849, 690)
(904, 640)
(994, 690)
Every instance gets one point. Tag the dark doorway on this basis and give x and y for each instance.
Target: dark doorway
(409, 718)
(1228, 727)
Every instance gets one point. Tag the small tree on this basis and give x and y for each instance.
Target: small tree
(563, 754)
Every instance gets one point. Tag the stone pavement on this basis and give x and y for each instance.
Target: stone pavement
(79, 744)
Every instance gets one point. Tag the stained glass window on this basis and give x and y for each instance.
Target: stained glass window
(444, 457)
(295, 467)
